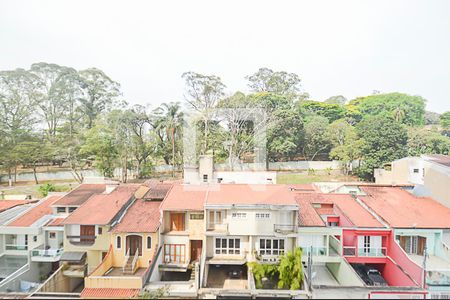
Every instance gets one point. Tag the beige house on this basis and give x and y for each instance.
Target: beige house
(429, 173)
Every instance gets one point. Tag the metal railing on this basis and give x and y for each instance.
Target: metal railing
(127, 256)
(82, 239)
(16, 247)
(315, 251)
(47, 252)
(372, 252)
(135, 259)
(285, 228)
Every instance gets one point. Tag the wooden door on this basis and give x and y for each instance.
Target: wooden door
(196, 250)
(87, 232)
(421, 244)
(177, 222)
(134, 243)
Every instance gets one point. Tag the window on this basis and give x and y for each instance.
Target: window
(227, 246)
(332, 224)
(262, 216)
(216, 217)
(205, 178)
(60, 210)
(416, 170)
(52, 235)
(239, 215)
(118, 242)
(149, 242)
(366, 244)
(177, 222)
(72, 209)
(174, 253)
(196, 216)
(35, 238)
(271, 247)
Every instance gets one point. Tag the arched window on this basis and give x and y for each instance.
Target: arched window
(118, 242)
(149, 242)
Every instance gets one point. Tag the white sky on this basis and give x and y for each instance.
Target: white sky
(337, 47)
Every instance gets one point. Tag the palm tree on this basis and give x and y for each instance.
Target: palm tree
(170, 120)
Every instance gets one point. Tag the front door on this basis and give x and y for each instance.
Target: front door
(196, 250)
(134, 243)
(87, 232)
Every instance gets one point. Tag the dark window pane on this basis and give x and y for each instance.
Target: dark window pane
(231, 243)
(275, 244)
(281, 244)
(262, 244)
(217, 243)
(224, 243)
(268, 244)
(237, 243)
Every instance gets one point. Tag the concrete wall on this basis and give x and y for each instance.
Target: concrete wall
(437, 181)
(401, 258)
(60, 283)
(344, 274)
(394, 276)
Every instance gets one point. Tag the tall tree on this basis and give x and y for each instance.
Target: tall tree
(280, 82)
(316, 137)
(384, 140)
(101, 94)
(202, 94)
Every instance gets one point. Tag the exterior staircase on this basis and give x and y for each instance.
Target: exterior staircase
(128, 269)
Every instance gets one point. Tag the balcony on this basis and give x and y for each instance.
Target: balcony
(284, 228)
(46, 255)
(217, 228)
(81, 240)
(365, 252)
(315, 251)
(15, 247)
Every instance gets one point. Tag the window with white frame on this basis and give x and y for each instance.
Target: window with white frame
(262, 216)
(271, 246)
(238, 215)
(227, 246)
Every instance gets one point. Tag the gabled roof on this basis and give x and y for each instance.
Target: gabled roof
(7, 204)
(36, 212)
(141, 216)
(345, 204)
(248, 194)
(401, 209)
(80, 194)
(157, 191)
(185, 197)
(443, 160)
(56, 222)
(102, 208)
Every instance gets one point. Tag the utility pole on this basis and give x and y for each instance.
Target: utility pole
(424, 275)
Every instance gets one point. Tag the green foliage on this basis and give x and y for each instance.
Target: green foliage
(46, 188)
(289, 271)
(423, 141)
(330, 111)
(316, 137)
(403, 108)
(383, 140)
(445, 119)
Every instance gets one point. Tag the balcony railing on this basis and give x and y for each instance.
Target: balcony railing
(284, 228)
(315, 251)
(372, 252)
(217, 227)
(47, 253)
(365, 252)
(81, 239)
(16, 247)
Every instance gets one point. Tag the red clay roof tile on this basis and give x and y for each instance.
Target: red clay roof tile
(142, 216)
(41, 209)
(109, 293)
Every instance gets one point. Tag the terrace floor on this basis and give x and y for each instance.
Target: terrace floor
(433, 262)
(119, 272)
(321, 276)
(219, 278)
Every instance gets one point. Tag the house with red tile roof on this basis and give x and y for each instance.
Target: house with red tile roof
(76, 197)
(346, 239)
(420, 226)
(30, 237)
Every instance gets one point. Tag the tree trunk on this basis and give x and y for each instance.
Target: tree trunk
(34, 173)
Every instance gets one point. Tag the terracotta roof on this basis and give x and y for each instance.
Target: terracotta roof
(344, 204)
(401, 209)
(102, 208)
(109, 293)
(142, 216)
(36, 212)
(302, 188)
(7, 204)
(185, 197)
(158, 191)
(80, 194)
(271, 194)
(56, 222)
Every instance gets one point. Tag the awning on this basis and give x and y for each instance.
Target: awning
(73, 256)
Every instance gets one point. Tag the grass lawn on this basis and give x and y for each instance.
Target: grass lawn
(305, 178)
(33, 189)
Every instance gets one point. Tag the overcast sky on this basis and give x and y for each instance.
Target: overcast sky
(336, 47)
